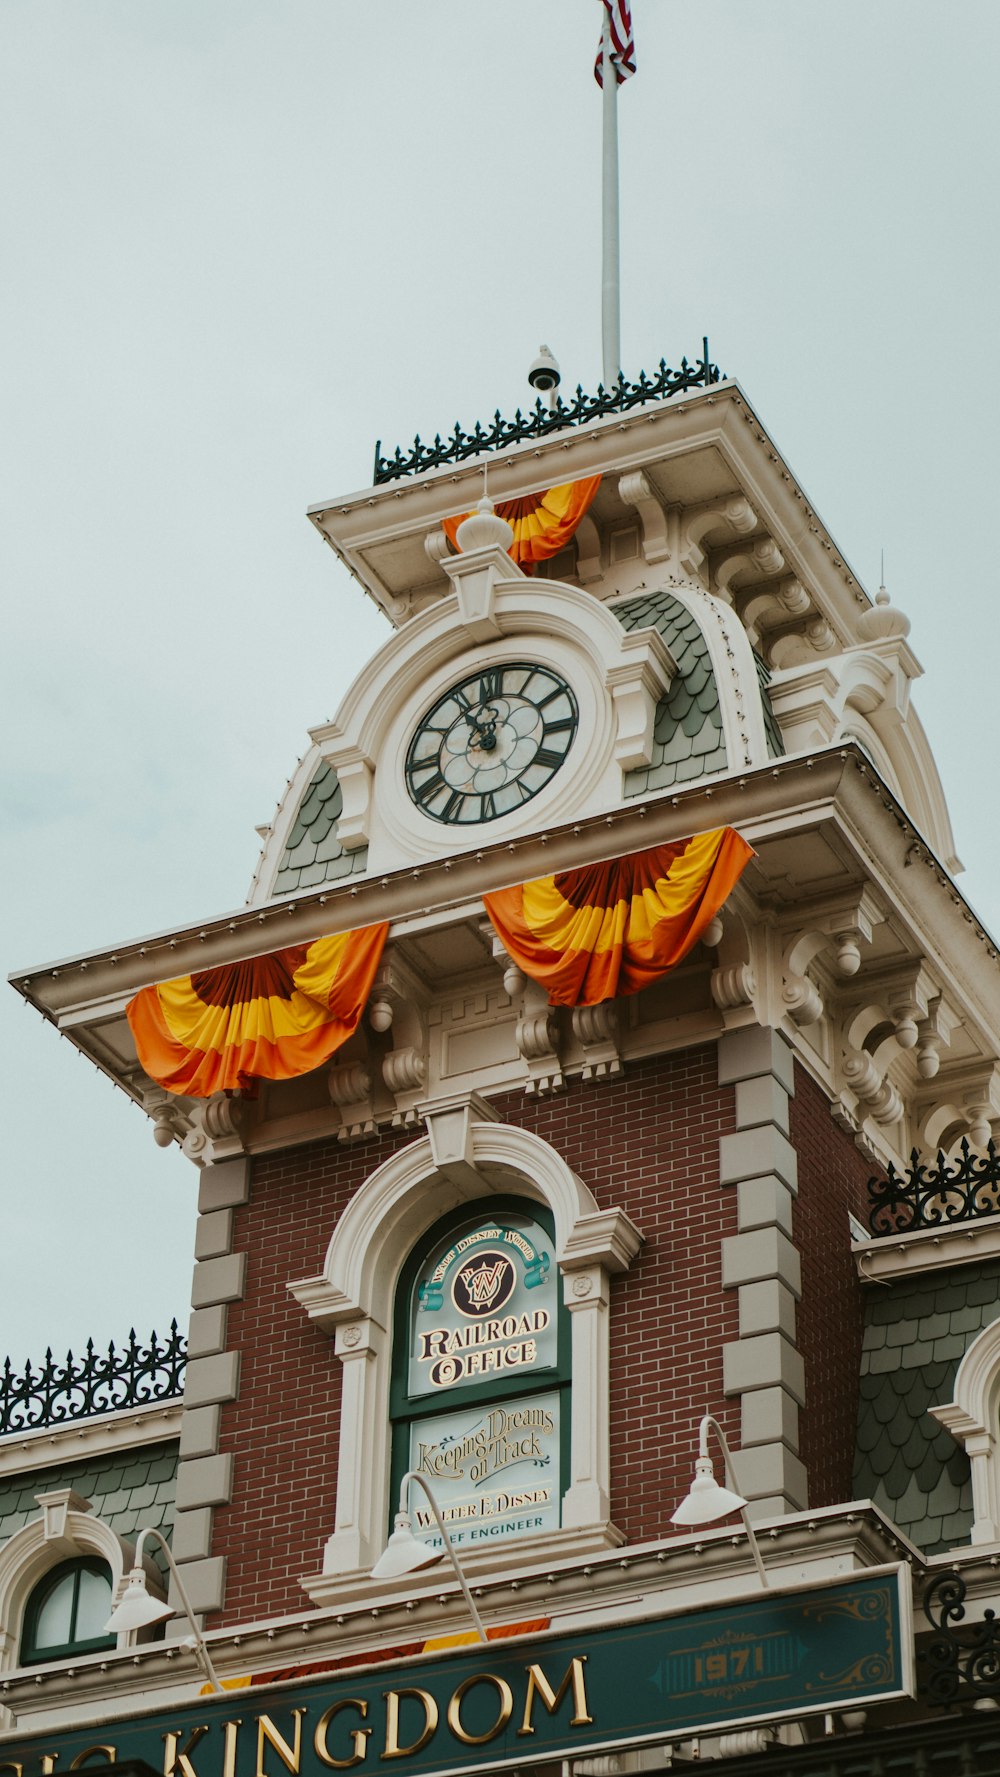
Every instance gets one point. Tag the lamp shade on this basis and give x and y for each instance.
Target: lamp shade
(403, 1553)
(136, 1609)
(706, 1500)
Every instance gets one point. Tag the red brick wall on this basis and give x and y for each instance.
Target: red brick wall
(829, 1320)
(648, 1144)
(284, 1427)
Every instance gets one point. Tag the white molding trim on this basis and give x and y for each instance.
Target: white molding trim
(930, 1249)
(972, 1419)
(65, 1528)
(81, 1439)
(465, 1157)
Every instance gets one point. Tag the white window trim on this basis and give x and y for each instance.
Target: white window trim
(65, 1530)
(466, 1154)
(973, 1418)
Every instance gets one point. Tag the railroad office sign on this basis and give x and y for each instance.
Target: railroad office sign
(485, 1415)
(521, 1701)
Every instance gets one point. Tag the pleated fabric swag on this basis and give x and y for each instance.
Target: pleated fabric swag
(270, 1018)
(610, 929)
(542, 523)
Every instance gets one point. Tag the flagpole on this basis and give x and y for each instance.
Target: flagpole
(610, 282)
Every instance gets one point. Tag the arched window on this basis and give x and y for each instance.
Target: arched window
(479, 1398)
(365, 1278)
(67, 1611)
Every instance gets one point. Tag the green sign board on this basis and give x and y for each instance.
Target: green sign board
(519, 1701)
(484, 1307)
(495, 1470)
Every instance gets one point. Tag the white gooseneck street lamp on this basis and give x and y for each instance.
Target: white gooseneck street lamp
(708, 1501)
(137, 1610)
(404, 1554)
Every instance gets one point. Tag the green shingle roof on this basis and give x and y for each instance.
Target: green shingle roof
(313, 854)
(128, 1490)
(775, 743)
(916, 1334)
(688, 741)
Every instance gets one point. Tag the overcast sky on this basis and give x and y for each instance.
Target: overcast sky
(242, 240)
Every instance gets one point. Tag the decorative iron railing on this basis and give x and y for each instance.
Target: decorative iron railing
(957, 1667)
(540, 420)
(955, 1746)
(132, 1375)
(933, 1194)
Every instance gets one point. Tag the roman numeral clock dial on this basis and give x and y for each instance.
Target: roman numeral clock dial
(490, 743)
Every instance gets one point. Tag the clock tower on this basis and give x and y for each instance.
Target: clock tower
(603, 948)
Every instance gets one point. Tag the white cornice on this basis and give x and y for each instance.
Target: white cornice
(82, 1439)
(399, 514)
(929, 1249)
(672, 1573)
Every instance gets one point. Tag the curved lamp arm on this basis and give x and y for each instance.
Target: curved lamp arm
(710, 1424)
(137, 1609)
(412, 1475)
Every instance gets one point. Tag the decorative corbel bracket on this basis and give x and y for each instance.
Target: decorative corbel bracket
(596, 1030)
(732, 514)
(536, 1034)
(170, 1114)
(350, 1085)
(396, 1003)
(635, 490)
(215, 1131)
(869, 1087)
(763, 560)
(588, 552)
(963, 1098)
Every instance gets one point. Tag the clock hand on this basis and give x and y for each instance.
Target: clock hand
(484, 729)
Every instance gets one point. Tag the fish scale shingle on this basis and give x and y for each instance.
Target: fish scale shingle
(313, 854)
(905, 1460)
(688, 737)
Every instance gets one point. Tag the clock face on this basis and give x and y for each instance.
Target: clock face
(490, 743)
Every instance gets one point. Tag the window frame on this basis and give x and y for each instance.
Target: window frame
(468, 1153)
(75, 1565)
(405, 1407)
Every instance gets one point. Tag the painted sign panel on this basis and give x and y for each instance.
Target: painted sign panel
(543, 1697)
(495, 1470)
(484, 1306)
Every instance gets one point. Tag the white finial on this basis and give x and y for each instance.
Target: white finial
(484, 530)
(883, 620)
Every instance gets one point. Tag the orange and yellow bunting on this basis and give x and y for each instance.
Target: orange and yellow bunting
(542, 523)
(380, 1656)
(610, 929)
(270, 1018)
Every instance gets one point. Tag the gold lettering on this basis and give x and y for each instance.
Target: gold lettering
(290, 1756)
(359, 1736)
(18, 1770)
(392, 1746)
(108, 1755)
(537, 1681)
(48, 1764)
(506, 1696)
(230, 1730)
(175, 1760)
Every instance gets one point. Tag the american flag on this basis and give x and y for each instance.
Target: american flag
(622, 42)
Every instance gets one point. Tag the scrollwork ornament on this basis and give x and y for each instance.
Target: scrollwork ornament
(935, 1194)
(962, 1665)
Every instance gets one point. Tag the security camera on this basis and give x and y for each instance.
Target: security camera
(544, 374)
